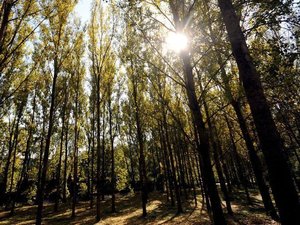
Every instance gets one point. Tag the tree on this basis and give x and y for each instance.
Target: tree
(101, 37)
(281, 181)
(58, 24)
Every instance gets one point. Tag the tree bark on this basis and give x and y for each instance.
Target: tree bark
(6, 8)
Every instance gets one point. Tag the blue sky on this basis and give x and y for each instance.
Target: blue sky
(83, 9)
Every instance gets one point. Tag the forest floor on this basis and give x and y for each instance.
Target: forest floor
(129, 212)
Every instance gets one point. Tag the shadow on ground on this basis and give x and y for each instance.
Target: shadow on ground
(129, 212)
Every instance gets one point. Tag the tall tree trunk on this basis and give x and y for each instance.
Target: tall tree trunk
(40, 191)
(88, 175)
(66, 160)
(75, 170)
(76, 136)
(217, 160)
(142, 164)
(12, 133)
(237, 160)
(167, 164)
(203, 148)
(191, 167)
(24, 170)
(98, 151)
(113, 178)
(172, 159)
(41, 153)
(103, 153)
(281, 180)
(13, 169)
(58, 169)
(7, 9)
(14, 146)
(92, 158)
(130, 146)
(203, 186)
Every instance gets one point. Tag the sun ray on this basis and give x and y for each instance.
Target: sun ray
(176, 41)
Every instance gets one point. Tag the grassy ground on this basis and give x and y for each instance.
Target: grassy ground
(129, 212)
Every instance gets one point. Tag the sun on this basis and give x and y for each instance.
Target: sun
(176, 42)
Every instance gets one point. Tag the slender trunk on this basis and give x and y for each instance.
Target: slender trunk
(103, 153)
(66, 161)
(179, 159)
(3, 187)
(237, 159)
(217, 161)
(113, 179)
(199, 164)
(2, 157)
(190, 171)
(167, 167)
(14, 150)
(215, 148)
(130, 146)
(174, 178)
(88, 176)
(142, 165)
(41, 155)
(76, 136)
(98, 151)
(26, 157)
(92, 159)
(13, 170)
(75, 171)
(58, 169)
(40, 191)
